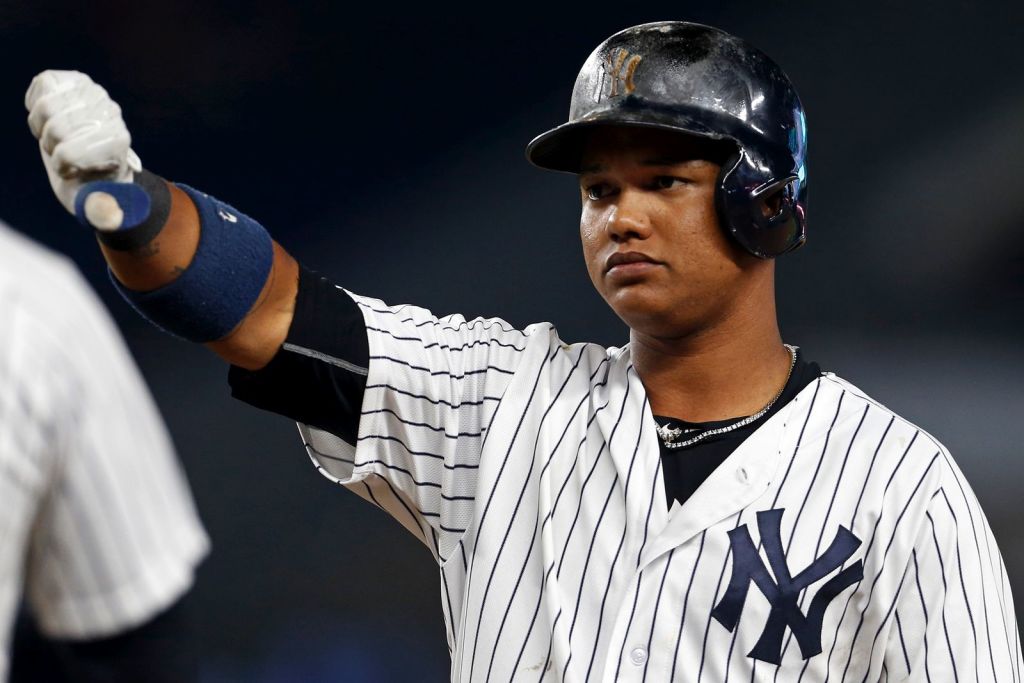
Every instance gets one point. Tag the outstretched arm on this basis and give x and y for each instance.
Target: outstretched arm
(83, 138)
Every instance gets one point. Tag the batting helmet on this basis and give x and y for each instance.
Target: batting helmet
(701, 81)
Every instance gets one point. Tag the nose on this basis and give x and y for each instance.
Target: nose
(628, 218)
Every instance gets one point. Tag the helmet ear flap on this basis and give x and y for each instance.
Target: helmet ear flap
(765, 218)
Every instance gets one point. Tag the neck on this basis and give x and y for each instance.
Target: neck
(729, 370)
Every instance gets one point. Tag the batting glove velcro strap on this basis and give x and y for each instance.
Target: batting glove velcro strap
(217, 290)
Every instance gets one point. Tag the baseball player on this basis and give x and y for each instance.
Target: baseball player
(98, 528)
(702, 503)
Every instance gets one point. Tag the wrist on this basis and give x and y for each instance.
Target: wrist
(141, 230)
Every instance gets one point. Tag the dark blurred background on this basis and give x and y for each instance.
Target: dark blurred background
(383, 146)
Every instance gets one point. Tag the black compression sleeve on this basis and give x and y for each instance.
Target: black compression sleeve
(319, 375)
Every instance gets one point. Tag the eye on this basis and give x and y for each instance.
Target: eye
(597, 191)
(667, 182)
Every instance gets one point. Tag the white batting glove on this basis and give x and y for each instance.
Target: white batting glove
(81, 134)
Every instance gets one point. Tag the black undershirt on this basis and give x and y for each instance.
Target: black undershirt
(685, 469)
(299, 384)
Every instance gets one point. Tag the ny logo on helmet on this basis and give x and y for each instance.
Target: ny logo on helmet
(782, 593)
(621, 65)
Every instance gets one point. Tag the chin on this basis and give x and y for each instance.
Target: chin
(655, 316)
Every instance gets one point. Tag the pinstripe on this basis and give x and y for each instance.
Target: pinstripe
(547, 518)
(600, 612)
(439, 373)
(373, 498)
(867, 550)
(413, 423)
(686, 601)
(449, 613)
(924, 610)
(657, 605)
(871, 467)
(469, 345)
(885, 553)
(945, 592)
(487, 507)
(417, 518)
(903, 642)
(629, 624)
(977, 546)
(579, 509)
(432, 400)
(394, 468)
(653, 495)
(882, 624)
(533, 618)
(707, 626)
(586, 565)
(547, 659)
(963, 587)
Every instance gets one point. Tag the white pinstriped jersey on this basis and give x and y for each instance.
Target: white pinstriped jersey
(96, 520)
(838, 543)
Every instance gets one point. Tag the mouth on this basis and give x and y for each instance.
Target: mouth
(629, 262)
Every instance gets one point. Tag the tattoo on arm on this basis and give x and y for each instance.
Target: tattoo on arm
(146, 250)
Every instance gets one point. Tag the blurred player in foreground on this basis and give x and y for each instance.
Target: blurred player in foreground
(703, 503)
(98, 527)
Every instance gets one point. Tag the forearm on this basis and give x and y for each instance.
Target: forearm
(161, 260)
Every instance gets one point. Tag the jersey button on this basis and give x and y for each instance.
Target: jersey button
(638, 655)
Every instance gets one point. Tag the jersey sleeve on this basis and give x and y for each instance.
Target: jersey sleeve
(117, 537)
(954, 619)
(392, 402)
(432, 386)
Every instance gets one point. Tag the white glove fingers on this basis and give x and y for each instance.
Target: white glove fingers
(75, 120)
(51, 104)
(51, 81)
(98, 152)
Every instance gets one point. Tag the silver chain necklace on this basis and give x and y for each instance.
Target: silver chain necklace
(669, 435)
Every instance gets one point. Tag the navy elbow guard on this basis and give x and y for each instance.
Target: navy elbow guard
(221, 284)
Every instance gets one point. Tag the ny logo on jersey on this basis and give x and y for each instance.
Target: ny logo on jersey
(783, 592)
(620, 66)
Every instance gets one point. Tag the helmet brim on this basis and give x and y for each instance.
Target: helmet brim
(562, 147)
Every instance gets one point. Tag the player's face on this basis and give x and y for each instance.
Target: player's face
(650, 232)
